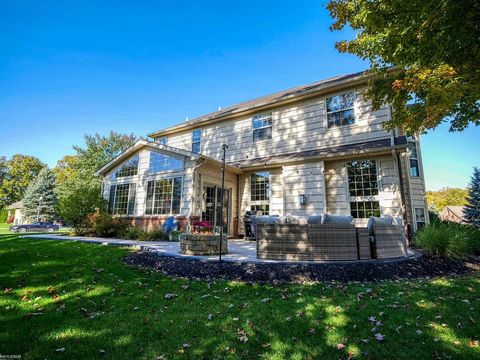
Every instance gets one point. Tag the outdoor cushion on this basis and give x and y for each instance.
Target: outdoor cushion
(337, 219)
(296, 220)
(386, 220)
(314, 219)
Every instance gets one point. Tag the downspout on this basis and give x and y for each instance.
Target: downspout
(402, 194)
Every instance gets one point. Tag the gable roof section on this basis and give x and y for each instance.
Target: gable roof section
(141, 144)
(16, 205)
(281, 97)
(457, 211)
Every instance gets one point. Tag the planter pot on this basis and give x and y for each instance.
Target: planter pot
(197, 244)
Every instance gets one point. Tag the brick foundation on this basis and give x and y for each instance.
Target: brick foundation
(155, 222)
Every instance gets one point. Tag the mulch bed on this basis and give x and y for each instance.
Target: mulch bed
(426, 266)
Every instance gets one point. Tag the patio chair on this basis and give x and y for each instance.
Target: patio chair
(332, 237)
(387, 238)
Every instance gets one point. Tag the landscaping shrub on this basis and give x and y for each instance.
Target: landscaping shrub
(105, 225)
(448, 239)
(133, 233)
(152, 235)
(3, 215)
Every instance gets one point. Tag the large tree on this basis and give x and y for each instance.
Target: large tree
(472, 209)
(40, 200)
(78, 189)
(424, 55)
(437, 200)
(16, 175)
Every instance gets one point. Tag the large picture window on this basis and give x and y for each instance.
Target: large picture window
(130, 168)
(164, 196)
(260, 192)
(162, 163)
(413, 157)
(122, 199)
(363, 188)
(364, 209)
(262, 127)
(362, 178)
(197, 141)
(340, 110)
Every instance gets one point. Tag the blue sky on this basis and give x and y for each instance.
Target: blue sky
(67, 69)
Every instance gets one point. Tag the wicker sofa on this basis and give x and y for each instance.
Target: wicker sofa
(328, 240)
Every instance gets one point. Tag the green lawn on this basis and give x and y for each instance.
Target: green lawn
(82, 298)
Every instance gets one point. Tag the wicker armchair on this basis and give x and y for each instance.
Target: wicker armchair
(389, 241)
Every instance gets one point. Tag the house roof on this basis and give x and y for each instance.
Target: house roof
(281, 97)
(140, 144)
(458, 211)
(16, 205)
(326, 152)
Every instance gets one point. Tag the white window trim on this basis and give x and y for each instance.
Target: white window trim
(364, 198)
(195, 142)
(354, 108)
(112, 175)
(415, 143)
(261, 202)
(182, 159)
(262, 127)
(134, 212)
(171, 201)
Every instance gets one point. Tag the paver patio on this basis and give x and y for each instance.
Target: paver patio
(240, 251)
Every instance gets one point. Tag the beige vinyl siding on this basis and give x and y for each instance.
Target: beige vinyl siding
(388, 184)
(296, 127)
(304, 179)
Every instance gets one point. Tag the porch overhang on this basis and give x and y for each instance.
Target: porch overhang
(375, 147)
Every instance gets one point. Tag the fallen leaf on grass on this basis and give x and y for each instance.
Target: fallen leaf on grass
(340, 346)
(379, 336)
(170, 296)
(243, 339)
(7, 290)
(50, 290)
(60, 350)
(29, 315)
(266, 300)
(474, 343)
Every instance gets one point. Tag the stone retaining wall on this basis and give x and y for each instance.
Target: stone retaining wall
(194, 244)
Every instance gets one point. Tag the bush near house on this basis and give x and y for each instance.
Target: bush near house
(449, 239)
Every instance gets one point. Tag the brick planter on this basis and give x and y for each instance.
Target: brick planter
(194, 244)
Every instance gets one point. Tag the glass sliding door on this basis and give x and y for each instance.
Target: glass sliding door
(212, 206)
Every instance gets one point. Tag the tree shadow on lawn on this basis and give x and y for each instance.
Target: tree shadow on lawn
(92, 305)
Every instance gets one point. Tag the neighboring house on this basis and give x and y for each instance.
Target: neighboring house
(307, 150)
(15, 210)
(453, 213)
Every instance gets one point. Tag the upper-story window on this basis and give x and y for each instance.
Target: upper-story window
(162, 163)
(260, 192)
(130, 168)
(196, 141)
(163, 140)
(413, 157)
(340, 110)
(262, 127)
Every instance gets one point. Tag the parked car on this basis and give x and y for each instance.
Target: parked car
(36, 226)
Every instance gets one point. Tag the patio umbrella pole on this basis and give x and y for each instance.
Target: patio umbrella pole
(224, 147)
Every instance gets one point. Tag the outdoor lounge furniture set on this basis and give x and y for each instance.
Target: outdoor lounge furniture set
(328, 237)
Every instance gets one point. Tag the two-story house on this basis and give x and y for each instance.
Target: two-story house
(308, 150)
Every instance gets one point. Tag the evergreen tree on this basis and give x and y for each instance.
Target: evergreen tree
(40, 197)
(472, 209)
